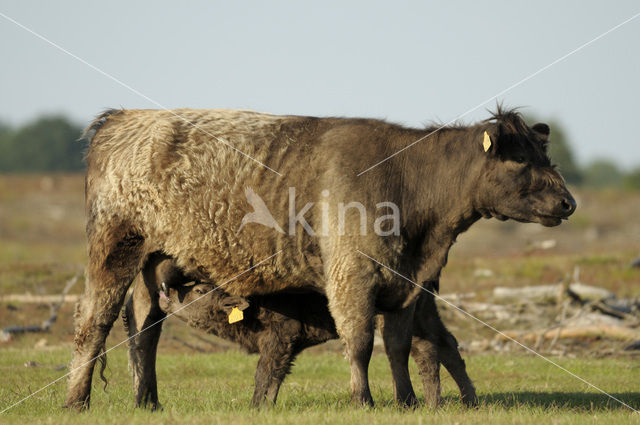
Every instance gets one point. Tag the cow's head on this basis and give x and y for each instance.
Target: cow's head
(517, 180)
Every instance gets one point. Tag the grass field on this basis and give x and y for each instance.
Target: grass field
(206, 380)
(216, 388)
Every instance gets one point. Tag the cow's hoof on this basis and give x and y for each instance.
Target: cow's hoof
(470, 401)
(153, 406)
(411, 402)
(362, 400)
(78, 406)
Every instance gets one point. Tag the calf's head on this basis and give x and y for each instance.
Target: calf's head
(517, 180)
(199, 304)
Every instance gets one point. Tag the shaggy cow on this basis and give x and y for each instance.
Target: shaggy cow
(175, 182)
(278, 326)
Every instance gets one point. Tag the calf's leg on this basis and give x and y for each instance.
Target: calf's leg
(425, 354)
(115, 257)
(276, 358)
(142, 317)
(449, 356)
(434, 344)
(396, 329)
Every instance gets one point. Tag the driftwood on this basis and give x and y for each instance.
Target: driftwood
(46, 325)
(633, 346)
(582, 325)
(602, 331)
(555, 293)
(590, 293)
(552, 293)
(614, 310)
(546, 314)
(540, 293)
(38, 299)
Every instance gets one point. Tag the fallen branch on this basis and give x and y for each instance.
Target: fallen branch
(37, 299)
(188, 345)
(46, 325)
(552, 293)
(593, 331)
(539, 293)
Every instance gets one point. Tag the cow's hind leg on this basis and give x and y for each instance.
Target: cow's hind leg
(143, 322)
(115, 257)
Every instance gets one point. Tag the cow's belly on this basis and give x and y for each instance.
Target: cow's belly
(247, 267)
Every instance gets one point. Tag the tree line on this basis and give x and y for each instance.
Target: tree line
(47, 144)
(51, 144)
(599, 173)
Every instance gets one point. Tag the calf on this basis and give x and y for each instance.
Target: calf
(278, 327)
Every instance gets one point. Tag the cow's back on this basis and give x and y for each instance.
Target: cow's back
(181, 177)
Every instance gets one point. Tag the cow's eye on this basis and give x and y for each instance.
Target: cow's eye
(520, 159)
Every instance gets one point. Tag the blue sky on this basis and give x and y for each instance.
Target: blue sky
(409, 62)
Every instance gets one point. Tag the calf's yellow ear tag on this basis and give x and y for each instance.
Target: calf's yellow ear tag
(487, 142)
(236, 315)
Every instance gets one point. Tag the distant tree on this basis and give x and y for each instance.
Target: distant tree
(46, 144)
(632, 179)
(6, 133)
(602, 173)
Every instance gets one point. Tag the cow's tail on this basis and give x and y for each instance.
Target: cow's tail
(102, 359)
(90, 132)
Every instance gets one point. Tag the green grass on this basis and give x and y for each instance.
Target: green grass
(42, 245)
(216, 388)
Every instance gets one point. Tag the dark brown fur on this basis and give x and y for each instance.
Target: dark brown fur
(278, 327)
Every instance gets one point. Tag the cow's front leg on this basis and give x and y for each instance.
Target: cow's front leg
(353, 312)
(396, 329)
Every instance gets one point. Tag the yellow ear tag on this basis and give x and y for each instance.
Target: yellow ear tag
(487, 141)
(236, 315)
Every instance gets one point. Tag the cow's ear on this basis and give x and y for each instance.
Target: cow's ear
(542, 130)
(229, 302)
(489, 138)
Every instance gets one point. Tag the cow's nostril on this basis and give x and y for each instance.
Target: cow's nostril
(568, 205)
